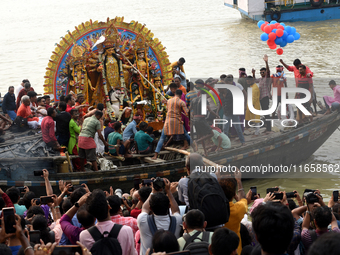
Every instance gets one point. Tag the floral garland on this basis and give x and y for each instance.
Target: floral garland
(110, 111)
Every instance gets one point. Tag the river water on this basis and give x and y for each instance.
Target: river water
(214, 39)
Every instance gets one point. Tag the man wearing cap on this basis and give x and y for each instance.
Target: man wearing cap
(131, 129)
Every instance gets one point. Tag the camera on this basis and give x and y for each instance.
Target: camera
(158, 183)
(311, 198)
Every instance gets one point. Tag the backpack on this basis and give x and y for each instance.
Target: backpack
(197, 248)
(20, 124)
(106, 245)
(153, 227)
(206, 194)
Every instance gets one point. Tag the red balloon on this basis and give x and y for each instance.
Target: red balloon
(272, 36)
(266, 22)
(263, 26)
(267, 29)
(279, 32)
(279, 51)
(276, 25)
(280, 27)
(273, 47)
(272, 26)
(270, 42)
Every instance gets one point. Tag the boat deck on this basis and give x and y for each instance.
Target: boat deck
(291, 5)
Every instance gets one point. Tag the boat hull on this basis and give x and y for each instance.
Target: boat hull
(308, 14)
(288, 149)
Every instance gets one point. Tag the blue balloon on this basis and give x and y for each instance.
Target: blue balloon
(264, 37)
(293, 30)
(290, 39)
(259, 24)
(284, 36)
(278, 41)
(273, 22)
(288, 29)
(283, 43)
(283, 24)
(274, 30)
(296, 36)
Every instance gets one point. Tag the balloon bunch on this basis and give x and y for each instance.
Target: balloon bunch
(277, 34)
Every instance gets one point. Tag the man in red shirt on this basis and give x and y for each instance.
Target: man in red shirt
(47, 129)
(23, 92)
(309, 74)
(70, 102)
(295, 69)
(303, 81)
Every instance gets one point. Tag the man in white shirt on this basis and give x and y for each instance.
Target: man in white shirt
(181, 75)
(20, 87)
(159, 204)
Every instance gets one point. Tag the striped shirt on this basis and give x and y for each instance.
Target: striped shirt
(190, 95)
(173, 124)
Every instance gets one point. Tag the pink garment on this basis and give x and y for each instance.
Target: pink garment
(58, 232)
(185, 119)
(329, 100)
(125, 237)
(137, 241)
(256, 203)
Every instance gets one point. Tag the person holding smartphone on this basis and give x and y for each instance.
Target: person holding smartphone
(158, 203)
(14, 194)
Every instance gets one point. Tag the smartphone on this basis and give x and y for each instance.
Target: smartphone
(9, 219)
(254, 192)
(272, 190)
(136, 183)
(35, 236)
(38, 173)
(290, 194)
(46, 199)
(180, 253)
(67, 250)
(21, 189)
(147, 182)
(37, 202)
(335, 195)
(278, 196)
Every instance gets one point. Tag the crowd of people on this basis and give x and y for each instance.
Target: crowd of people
(169, 217)
(85, 132)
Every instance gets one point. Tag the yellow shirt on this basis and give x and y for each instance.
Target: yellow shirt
(237, 212)
(256, 103)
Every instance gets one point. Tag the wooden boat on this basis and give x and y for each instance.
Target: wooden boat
(287, 148)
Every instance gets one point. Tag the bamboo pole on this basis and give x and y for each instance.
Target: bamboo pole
(205, 160)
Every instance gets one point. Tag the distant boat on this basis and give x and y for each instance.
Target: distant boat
(286, 10)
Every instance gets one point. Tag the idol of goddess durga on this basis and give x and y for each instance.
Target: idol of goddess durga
(76, 64)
